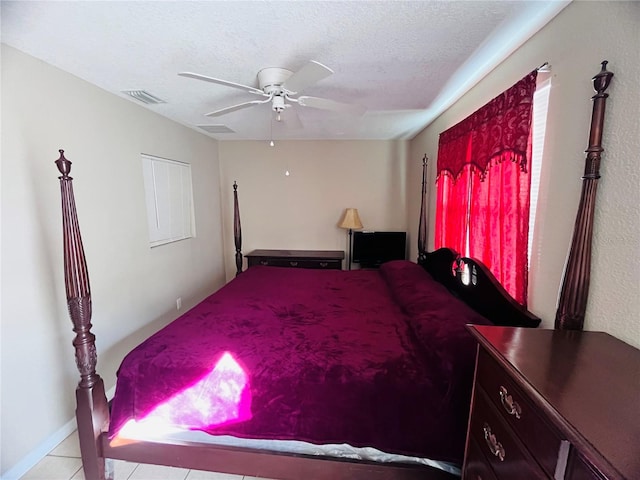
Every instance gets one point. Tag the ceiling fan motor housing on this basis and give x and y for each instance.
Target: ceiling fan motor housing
(271, 79)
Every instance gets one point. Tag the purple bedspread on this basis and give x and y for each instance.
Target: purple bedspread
(319, 356)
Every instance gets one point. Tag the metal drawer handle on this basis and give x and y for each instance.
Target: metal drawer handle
(510, 405)
(264, 262)
(293, 264)
(324, 264)
(495, 447)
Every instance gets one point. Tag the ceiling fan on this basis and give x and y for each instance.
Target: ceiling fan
(281, 88)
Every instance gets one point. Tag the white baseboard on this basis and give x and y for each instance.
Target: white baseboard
(42, 450)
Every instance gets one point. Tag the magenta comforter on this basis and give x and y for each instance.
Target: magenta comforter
(369, 358)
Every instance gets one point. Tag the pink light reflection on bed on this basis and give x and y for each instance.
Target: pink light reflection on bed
(221, 397)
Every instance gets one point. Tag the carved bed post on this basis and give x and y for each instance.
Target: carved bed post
(572, 303)
(92, 413)
(422, 227)
(237, 230)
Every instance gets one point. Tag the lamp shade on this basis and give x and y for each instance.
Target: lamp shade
(351, 219)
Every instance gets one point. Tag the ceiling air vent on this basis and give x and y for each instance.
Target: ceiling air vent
(144, 97)
(216, 128)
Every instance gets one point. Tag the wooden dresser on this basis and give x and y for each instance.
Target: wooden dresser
(327, 259)
(553, 404)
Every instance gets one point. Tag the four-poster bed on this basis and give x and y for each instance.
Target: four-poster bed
(420, 310)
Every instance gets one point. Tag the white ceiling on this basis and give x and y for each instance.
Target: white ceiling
(405, 61)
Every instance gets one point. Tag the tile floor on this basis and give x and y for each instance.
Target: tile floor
(64, 463)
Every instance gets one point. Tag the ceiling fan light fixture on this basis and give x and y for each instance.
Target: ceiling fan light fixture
(278, 105)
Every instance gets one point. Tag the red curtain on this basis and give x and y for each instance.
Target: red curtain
(483, 186)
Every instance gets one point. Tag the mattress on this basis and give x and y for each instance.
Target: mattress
(376, 360)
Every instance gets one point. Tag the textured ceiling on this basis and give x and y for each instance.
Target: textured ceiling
(404, 61)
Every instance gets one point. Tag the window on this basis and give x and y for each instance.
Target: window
(169, 199)
(483, 186)
(540, 108)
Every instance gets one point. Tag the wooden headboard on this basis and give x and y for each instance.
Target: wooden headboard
(472, 282)
(572, 304)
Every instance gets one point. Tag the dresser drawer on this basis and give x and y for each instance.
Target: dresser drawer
(578, 469)
(296, 263)
(507, 456)
(516, 409)
(476, 466)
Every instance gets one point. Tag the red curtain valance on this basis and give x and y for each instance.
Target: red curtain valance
(496, 132)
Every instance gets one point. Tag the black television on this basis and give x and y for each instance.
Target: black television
(372, 249)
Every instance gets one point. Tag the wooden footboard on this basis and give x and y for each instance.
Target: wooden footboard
(92, 411)
(265, 464)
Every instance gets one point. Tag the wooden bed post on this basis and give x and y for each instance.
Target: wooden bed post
(572, 303)
(237, 230)
(92, 412)
(422, 227)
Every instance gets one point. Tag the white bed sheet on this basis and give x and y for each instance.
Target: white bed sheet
(283, 446)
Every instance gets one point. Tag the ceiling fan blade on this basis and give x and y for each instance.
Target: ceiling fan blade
(325, 104)
(233, 108)
(311, 73)
(227, 83)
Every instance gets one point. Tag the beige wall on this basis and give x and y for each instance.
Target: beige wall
(574, 43)
(134, 287)
(302, 210)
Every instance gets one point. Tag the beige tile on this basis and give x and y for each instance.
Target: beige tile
(202, 475)
(158, 472)
(54, 468)
(121, 470)
(69, 447)
(79, 475)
